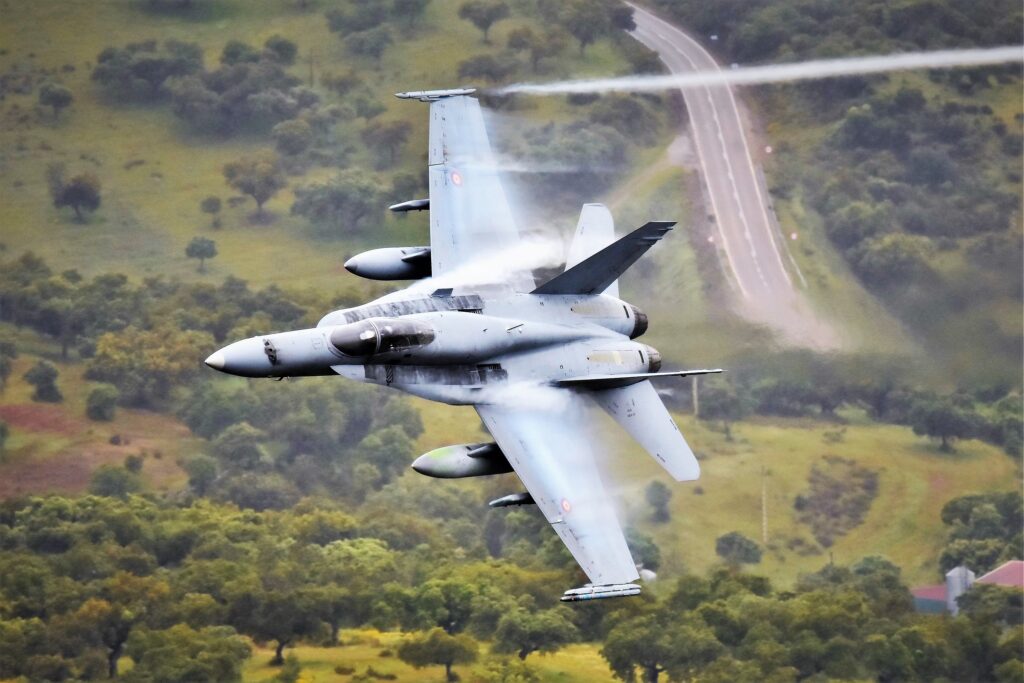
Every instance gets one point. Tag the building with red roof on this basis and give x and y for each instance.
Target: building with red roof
(941, 598)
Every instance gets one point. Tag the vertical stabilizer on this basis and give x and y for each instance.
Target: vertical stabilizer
(594, 232)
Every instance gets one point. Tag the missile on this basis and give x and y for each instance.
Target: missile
(464, 460)
(411, 205)
(592, 592)
(523, 498)
(433, 95)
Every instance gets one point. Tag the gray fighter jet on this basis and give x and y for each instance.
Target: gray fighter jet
(475, 331)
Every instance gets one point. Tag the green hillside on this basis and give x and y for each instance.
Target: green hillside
(160, 522)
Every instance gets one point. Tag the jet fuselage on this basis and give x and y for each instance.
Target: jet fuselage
(454, 346)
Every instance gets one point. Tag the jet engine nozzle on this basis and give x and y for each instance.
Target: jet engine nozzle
(640, 322)
(654, 359)
(464, 460)
(391, 263)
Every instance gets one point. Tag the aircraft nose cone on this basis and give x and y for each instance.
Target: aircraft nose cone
(245, 358)
(216, 360)
(352, 265)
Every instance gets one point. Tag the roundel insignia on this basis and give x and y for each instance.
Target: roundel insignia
(456, 178)
(566, 507)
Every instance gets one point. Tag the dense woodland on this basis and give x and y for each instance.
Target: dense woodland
(916, 182)
(295, 518)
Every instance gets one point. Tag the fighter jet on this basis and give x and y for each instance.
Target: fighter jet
(528, 358)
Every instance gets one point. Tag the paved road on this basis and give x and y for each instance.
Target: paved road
(738, 203)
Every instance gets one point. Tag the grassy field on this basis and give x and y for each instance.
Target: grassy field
(362, 650)
(151, 209)
(915, 481)
(54, 447)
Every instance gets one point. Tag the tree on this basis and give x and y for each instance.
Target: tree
(370, 43)
(8, 354)
(643, 548)
(201, 248)
(145, 364)
(278, 614)
(486, 67)
(736, 549)
(389, 136)
(212, 206)
(340, 205)
(237, 52)
(80, 192)
(621, 18)
(522, 632)
(540, 47)
(361, 17)
(140, 70)
(410, 10)
(437, 648)
(56, 96)
(628, 115)
(658, 497)
(101, 402)
(389, 448)
(586, 21)
(114, 481)
(202, 472)
(891, 258)
(43, 376)
(292, 137)
(281, 49)
(445, 603)
(4, 433)
(643, 642)
(721, 402)
(214, 654)
(258, 176)
(124, 602)
(240, 448)
(943, 419)
(483, 14)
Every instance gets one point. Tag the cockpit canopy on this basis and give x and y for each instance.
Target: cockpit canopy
(380, 335)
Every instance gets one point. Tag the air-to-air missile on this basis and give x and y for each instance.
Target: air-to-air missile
(513, 499)
(592, 592)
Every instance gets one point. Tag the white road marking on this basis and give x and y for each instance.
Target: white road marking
(735, 114)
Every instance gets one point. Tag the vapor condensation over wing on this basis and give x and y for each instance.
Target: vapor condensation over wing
(780, 73)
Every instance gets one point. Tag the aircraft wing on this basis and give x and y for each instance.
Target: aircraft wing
(469, 212)
(552, 451)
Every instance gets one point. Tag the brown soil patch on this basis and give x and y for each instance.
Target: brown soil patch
(64, 473)
(42, 417)
(70, 470)
(938, 483)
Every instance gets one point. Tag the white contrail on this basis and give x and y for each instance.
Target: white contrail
(498, 266)
(780, 73)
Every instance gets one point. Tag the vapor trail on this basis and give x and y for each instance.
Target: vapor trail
(779, 73)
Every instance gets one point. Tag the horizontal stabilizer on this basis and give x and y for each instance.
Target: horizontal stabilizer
(596, 273)
(639, 410)
(611, 381)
